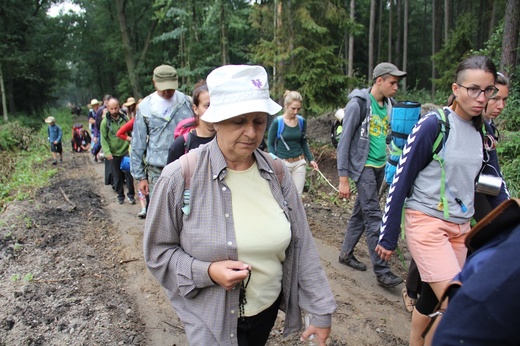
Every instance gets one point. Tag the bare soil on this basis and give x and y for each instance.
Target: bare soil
(72, 270)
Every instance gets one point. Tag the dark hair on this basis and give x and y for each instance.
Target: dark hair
(451, 98)
(475, 62)
(198, 89)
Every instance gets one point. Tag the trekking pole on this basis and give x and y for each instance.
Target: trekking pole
(327, 180)
(352, 189)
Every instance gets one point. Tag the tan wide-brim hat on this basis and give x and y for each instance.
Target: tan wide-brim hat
(93, 102)
(50, 120)
(238, 89)
(129, 101)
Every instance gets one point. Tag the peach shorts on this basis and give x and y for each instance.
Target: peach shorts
(436, 245)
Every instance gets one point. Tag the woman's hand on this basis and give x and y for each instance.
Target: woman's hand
(228, 274)
(383, 253)
(321, 334)
(314, 165)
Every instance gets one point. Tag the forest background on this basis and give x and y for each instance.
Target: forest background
(322, 48)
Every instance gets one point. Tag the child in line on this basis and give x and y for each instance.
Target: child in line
(54, 135)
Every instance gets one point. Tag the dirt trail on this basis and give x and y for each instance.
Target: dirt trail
(62, 281)
(367, 314)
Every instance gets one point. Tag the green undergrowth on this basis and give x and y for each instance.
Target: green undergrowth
(25, 154)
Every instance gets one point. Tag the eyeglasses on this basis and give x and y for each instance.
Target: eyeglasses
(475, 92)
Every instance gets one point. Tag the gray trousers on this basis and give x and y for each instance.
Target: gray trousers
(366, 217)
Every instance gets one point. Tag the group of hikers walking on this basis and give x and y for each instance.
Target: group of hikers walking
(226, 229)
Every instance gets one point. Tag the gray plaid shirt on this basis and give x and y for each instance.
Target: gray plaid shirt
(178, 250)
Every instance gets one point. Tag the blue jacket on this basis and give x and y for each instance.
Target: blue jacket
(152, 135)
(54, 133)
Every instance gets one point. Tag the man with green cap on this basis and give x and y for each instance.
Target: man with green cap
(157, 116)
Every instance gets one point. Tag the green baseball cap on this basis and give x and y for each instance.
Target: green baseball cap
(165, 77)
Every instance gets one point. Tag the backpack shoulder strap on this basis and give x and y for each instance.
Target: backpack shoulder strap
(281, 125)
(187, 140)
(188, 163)
(363, 109)
(277, 164)
(300, 122)
(438, 145)
(444, 130)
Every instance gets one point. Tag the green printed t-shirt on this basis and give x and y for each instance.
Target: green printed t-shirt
(378, 130)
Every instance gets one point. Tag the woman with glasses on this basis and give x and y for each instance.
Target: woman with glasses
(483, 203)
(438, 201)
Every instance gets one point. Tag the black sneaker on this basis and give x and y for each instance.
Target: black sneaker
(120, 201)
(352, 262)
(131, 200)
(389, 279)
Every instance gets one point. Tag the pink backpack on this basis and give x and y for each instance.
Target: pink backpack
(184, 127)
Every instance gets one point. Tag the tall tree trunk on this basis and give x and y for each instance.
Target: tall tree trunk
(380, 31)
(446, 20)
(128, 51)
(10, 96)
(405, 40)
(434, 23)
(371, 39)
(398, 40)
(2, 91)
(510, 38)
(438, 25)
(390, 30)
(278, 78)
(148, 40)
(223, 36)
(493, 19)
(351, 40)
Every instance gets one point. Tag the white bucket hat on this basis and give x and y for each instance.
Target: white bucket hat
(236, 90)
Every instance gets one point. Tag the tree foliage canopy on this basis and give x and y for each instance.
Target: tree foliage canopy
(112, 46)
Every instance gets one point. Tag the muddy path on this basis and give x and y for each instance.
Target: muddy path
(72, 270)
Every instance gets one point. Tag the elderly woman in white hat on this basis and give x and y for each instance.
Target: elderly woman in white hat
(236, 247)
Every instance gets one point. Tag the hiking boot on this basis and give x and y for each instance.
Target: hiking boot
(54, 162)
(131, 200)
(61, 160)
(408, 301)
(352, 262)
(389, 279)
(142, 214)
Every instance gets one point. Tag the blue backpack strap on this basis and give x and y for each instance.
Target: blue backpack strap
(300, 122)
(281, 125)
